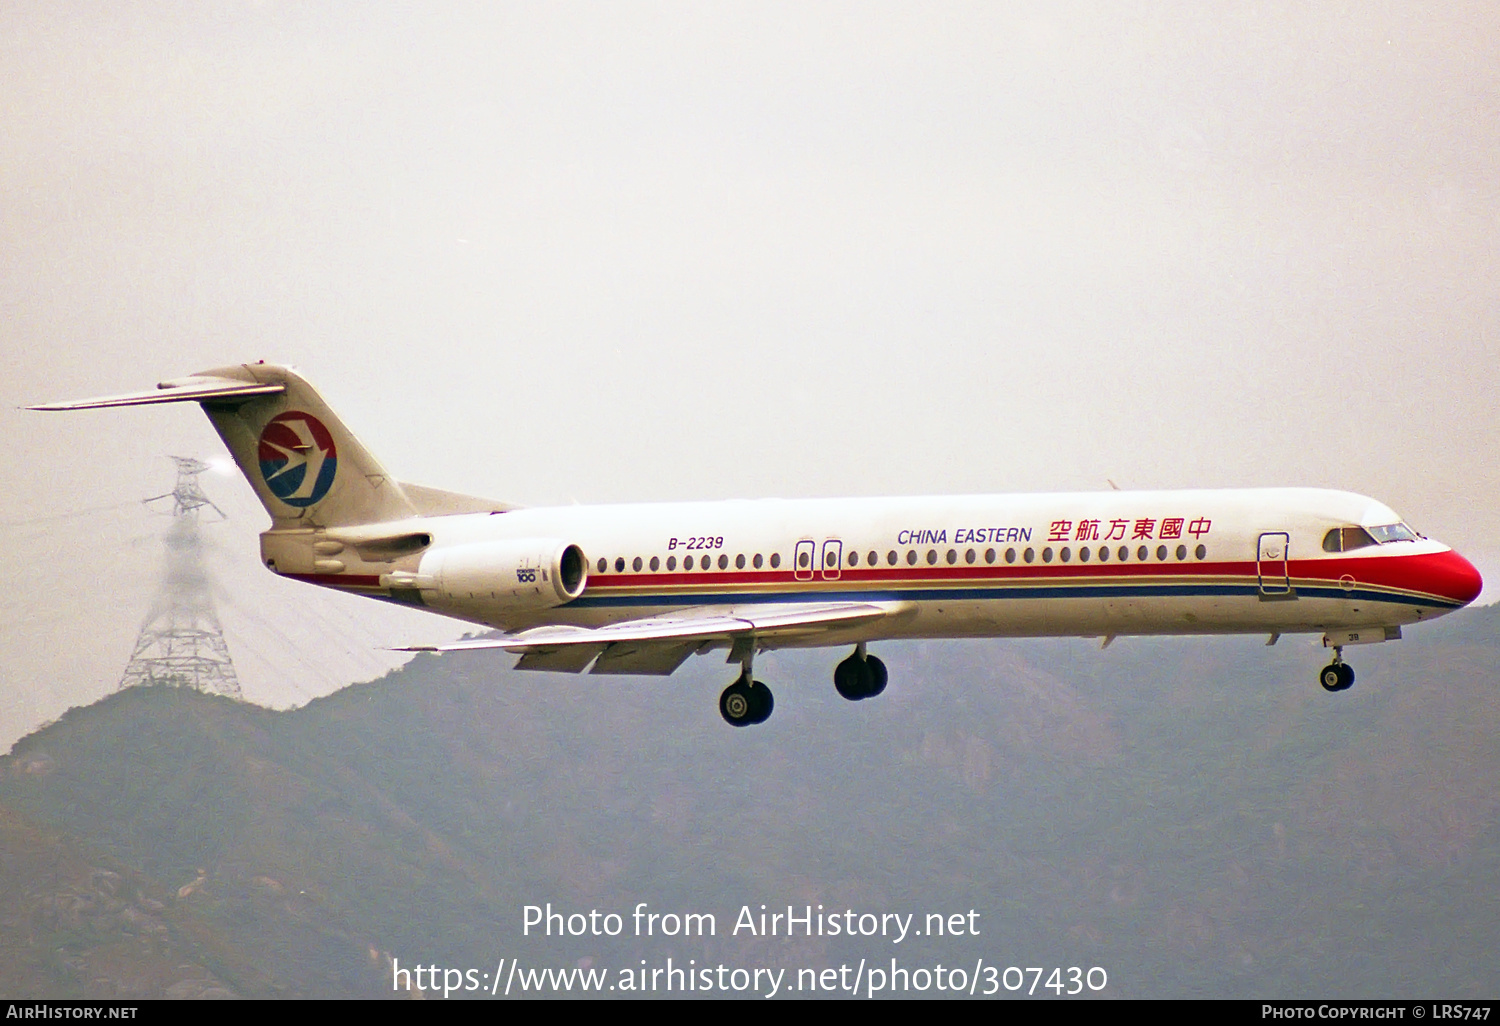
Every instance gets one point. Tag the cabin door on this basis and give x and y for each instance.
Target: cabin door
(1270, 563)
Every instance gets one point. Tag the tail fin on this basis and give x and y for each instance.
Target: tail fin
(303, 463)
(306, 467)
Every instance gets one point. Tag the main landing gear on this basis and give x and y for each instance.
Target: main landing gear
(1337, 675)
(747, 701)
(860, 676)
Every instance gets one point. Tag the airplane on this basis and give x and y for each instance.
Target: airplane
(638, 589)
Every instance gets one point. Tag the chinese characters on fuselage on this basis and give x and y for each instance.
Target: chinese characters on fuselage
(1096, 530)
(1165, 528)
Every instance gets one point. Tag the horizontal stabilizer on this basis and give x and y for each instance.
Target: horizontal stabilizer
(182, 390)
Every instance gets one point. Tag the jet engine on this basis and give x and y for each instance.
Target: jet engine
(522, 573)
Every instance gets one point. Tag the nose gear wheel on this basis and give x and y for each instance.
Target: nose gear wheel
(1337, 675)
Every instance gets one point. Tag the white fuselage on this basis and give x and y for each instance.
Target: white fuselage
(1089, 564)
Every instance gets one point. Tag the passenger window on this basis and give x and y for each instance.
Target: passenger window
(655, 564)
(723, 562)
(970, 556)
(1124, 553)
(603, 564)
(620, 565)
(636, 564)
(890, 557)
(1047, 554)
(911, 557)
(1083, 554)
(989, 555)
(671, 562)
(1104, 553)
(739, 561)
(775, 560)
(1010, 556)
(952, 556)
(830, 558)
(687, 562)
(931, 557)
(853, 558)
(1029, 554)
(1066, 553)
(1182, 552)
(1201, 552)
(1161, 552)
(803, 559)
(873, 558)
(757, 561)
(1142, 553)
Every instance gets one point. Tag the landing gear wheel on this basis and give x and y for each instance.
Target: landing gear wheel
(1337, 677)
(850, 679)
(736, 705)
(746, 703)
(859, 678)
(761, 702)
(1332, 678)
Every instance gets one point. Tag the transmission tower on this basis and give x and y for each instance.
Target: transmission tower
(181, 643)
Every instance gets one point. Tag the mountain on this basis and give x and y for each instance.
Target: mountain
(1195, 816)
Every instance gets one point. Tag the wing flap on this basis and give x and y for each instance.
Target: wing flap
(563, 659)
(653, 658)
(761, 620)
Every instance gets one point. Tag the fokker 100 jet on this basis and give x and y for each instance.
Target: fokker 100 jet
(640, 588)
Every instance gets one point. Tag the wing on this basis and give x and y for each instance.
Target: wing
(660, 644)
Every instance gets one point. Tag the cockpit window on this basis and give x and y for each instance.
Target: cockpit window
(1347, 539)
(1393, 533)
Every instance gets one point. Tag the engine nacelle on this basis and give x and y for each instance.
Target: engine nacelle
(524, 573)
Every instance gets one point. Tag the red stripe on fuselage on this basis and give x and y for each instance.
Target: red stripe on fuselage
(338, 580)
(1445, 575)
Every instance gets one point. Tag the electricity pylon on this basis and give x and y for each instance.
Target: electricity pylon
(181, 643)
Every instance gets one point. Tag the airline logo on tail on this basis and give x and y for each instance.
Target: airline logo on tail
(297, 458)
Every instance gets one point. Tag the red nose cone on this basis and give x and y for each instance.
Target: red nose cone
(1452, 576)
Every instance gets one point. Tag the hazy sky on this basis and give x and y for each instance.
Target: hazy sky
(612, 252)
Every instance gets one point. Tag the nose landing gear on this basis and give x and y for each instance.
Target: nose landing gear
(1337, 675)
(860, 676)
